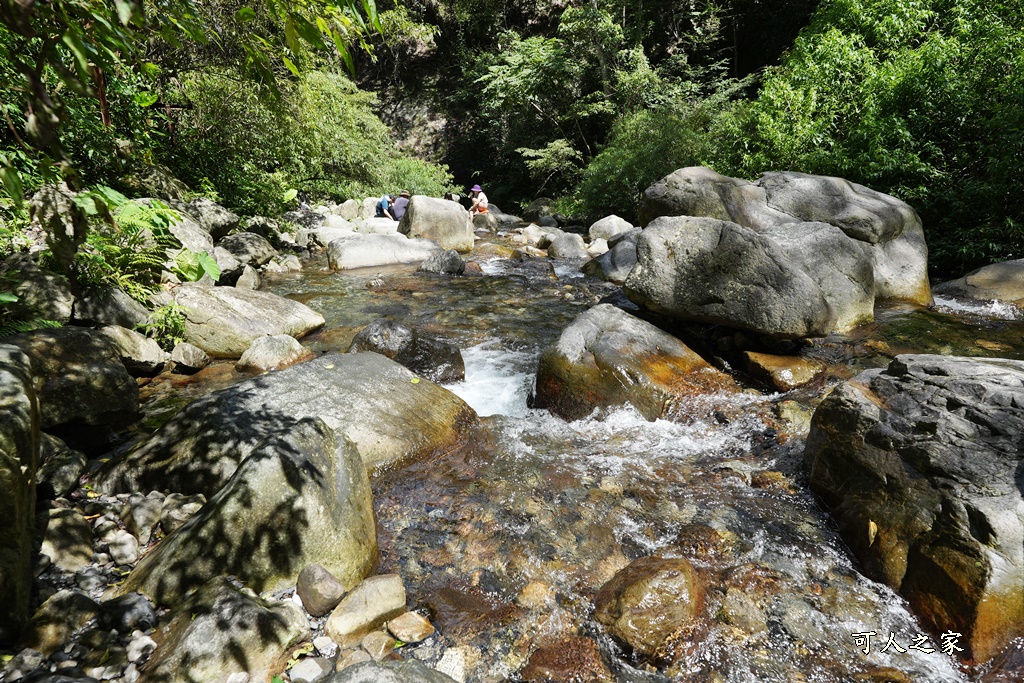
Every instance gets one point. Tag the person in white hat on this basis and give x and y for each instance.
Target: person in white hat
(476, 193)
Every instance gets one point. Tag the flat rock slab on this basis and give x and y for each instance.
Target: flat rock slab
(366, 251)
(997, 282)
(224, 321)
(392, 416)
(920, 464)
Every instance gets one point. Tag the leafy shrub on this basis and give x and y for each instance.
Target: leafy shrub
(166, 325)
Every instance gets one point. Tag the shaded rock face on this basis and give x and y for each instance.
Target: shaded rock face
(142, 356)
(999, 281)
(613, 265)
(109, 307)
(539, 208)
(607, 357)
(921, 465)
(403, 671)
(437, 361)
(212, 217)
(19, 459)
(249, 248)
(41, 294)
(224, 321)
(192, 235)
(888, 227)
(85, 389)
(364, 396)
(651, 606)
(806, 280)
(444, 222)
(221, 631)
(365, 251)
(301, 496)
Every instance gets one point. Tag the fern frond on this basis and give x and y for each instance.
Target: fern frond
(18, 326)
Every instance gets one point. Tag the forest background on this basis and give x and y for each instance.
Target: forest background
(588, 102)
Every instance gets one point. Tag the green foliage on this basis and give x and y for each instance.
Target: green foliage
(192, 266)
(922, 100)
(166, 325)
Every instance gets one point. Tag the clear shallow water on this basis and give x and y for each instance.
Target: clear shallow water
(525, 524)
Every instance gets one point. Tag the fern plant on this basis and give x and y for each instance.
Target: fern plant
(10, 326)
(166, 325)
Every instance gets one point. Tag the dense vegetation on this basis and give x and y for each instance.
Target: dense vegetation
(587, 101)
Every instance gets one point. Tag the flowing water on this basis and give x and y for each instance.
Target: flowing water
(507, 541)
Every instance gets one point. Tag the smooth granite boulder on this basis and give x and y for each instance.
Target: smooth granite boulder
(921, 466)
(997, 282)
(109, 307)
(249, 248)
(392, 416)
(444, 222)
(366, 251)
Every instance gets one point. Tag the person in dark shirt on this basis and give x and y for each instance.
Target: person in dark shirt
(384, 207)
(398, 210)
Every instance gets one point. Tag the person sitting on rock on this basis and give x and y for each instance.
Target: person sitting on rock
(479, 205)
(384, 207)
(398, 210)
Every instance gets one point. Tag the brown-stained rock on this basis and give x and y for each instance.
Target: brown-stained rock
(410, 628)
(461, 611)
(701, 542)
(651, 605)
(782, 373)
(319, 590)
(573, 660)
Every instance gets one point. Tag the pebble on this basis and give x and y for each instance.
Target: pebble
(353, 658)
(325, 646)
(123, 547)
(141, 647)
(379, 644)
(319, 590)
(410, 628)
(310, 669)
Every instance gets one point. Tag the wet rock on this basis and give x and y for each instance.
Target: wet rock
(188, 359)
(301, 496)
(249, 248)
(802, 622)
(436, 360)
(129, 612)
(473, 269)
(392, 416)
(56, 619)
(371, 603)
(402, 671)
(790, 281)
(19, 460)
(224, 321)
(109, 307)
(319, 590)
(445, 263)
(615, 264)
(782, 373)
(220, 631)
(352, 658)
(444, 222)
(607, 357)
(464, 612)
(310, 670)
(67, 538)
(364, 251)
(272, 353)
(918, 463)
(999, 281)
(575, 659)
(650, 605)
(249, 279)
(739, 609)
(378, 644)
(701, 543)
(609, 227)
(141, 356)
(61, 469)
(410, 628)
(85, 389)
(42, 295)
(538, 208)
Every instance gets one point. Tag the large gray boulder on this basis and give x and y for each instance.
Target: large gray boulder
(302, 496)
(322, 236)
(568, 245)
(221, 632)
(890, 228)
(444, 222)
(607, 357)
(42, 295)
(365, 251)
(192, 235)
(19, 459)
(271, 353)
(224, 321)
(109, 307)
(376, 226)
(392, 416)
(348, 209)
(249, 248)
(84, 388)
(142, 356)
(921, 465)
(400, 671)
(997, 282)
(792, 281)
